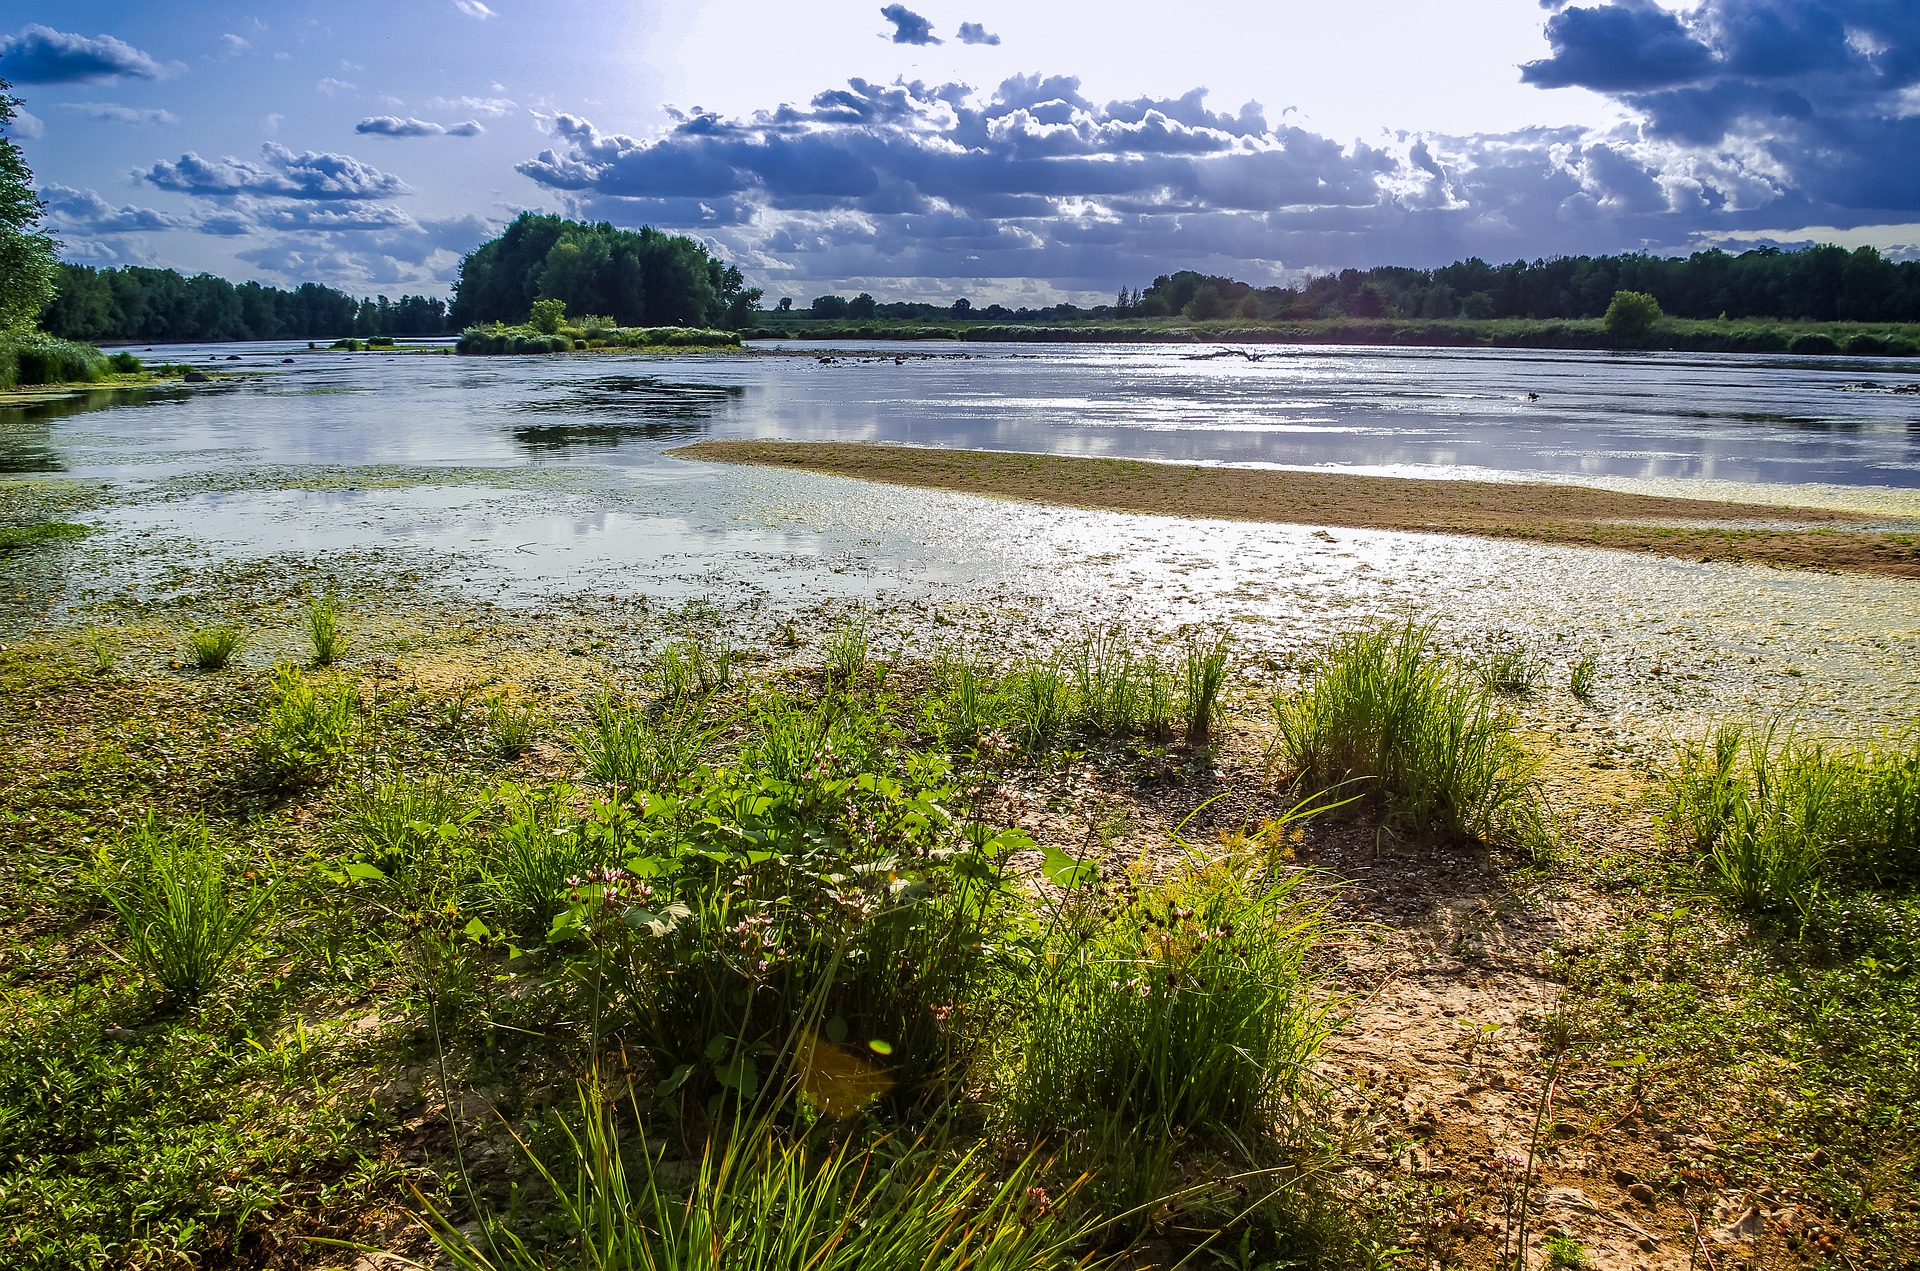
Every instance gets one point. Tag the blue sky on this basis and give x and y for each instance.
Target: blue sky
(1008, 151)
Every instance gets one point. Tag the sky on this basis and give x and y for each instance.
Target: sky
(1025, 153)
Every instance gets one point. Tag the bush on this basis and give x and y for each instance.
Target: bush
(1423, 732)
(1814, 342)
(499, 339)
(184, 920)
(30, 357)
(1631, 316)
(1866, 345)
(124, 363)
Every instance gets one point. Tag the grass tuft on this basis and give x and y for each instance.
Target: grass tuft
(308, 728)
(1386, 707)
(213, 647)
(325, 630)
(185, 919)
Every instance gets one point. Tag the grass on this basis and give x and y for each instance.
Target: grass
(32, 358)
(1422, 733)
(499, 338)
(185, 920)
(1583, 678)
(1779, 817)
(848, 1014)
(212, 648)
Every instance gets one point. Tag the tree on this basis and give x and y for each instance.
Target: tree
(1630, 317)
(547, 315)
(1206, 303)
(861, 306)
(785, 305)
(27, 264)
(829, 306)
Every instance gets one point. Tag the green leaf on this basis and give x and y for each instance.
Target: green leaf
(360, 871)
(675, 1079)
(1064, 871)
(836, 1029)
(477, 930)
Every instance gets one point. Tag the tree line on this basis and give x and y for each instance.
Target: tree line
(632, 278)
(1821, 284)
(136, 303)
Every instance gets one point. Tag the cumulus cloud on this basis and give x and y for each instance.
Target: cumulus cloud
(974, 33)
(309, 175)
(41, 55)
(918, 182)
(393, 126)
(113, 112)
(908, 26)
(84, 212)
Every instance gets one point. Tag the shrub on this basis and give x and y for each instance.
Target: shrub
(307, 729)
(1186, 1005)
(1384, 707)
(213, 647)
(124, 363)
(1865, 345)
(184, 919)
(1813, 342)
(1631, 316)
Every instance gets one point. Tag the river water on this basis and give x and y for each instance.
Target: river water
(523, 480)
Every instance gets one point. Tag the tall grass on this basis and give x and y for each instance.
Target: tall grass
(759, 1199)
(186, 919)
(1189, 1006)
(1204, 662)
(1427, 734)
(213, 647)
(1109, 682)
(634, 752)
(308, 727)
(847, 649)
(1778, 817)
(398, 821)
(538, 856)
(1039, 698)
(31, 357)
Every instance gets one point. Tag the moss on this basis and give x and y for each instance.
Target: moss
(17, 536)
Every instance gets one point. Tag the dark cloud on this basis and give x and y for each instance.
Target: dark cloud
(1824, 95)
(974, 33)
(284, 174)
(42, 55)
(392, 126)
(114, 113)
(908, 26)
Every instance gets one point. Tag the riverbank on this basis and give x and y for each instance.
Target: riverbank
(1809, 339)
(1562, 1036)
(1559, 514)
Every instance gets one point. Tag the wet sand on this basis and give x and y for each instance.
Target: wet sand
(1544, 512)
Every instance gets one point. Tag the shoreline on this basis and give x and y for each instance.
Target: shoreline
(1550, 513)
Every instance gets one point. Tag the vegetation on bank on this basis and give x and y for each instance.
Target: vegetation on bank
(138, 304)
(549, 330)
(640, 278)
(1812, 339)
(746, 964)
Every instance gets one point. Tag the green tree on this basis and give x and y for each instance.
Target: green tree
(547, 315)
(1206, 303)
(1630, 317)
(27, 265)
(861, 306)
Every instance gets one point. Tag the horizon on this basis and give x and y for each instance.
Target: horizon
(932, 152)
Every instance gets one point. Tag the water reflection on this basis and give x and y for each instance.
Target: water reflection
(610, 410)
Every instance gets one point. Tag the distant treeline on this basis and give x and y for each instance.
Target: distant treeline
(634, 278)
(1817, 284)
(1814, 284)
(140, 304)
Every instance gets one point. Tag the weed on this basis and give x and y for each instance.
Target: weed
(633, 752)
(965, 705)
(1109, 683)
(1384, 706)
(510, 727)
(1564, 1253)
(307, 729)
(213, 647)
(185, 921)
(1583, 679)
(1040, 698)
(325, 630)
(399, 821)
(540, 854)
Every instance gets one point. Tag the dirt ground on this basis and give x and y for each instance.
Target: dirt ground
(1568, 515)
